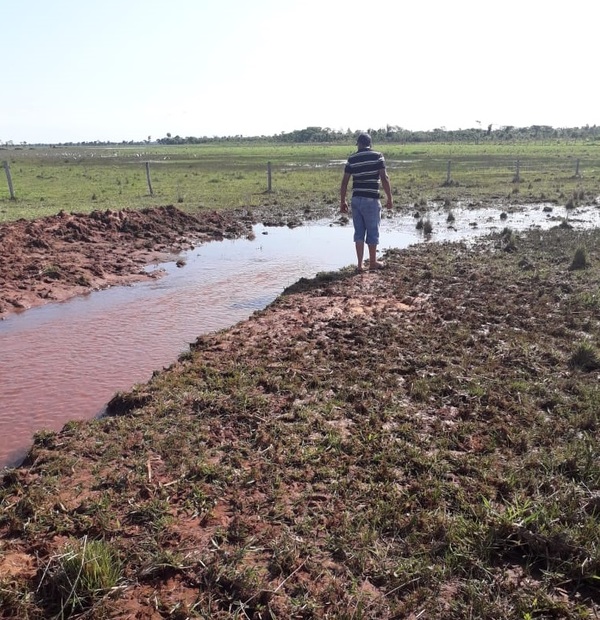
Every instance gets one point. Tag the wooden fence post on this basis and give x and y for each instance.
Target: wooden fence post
(517, 177)
(269, 176)
(448, 175)
(9, 180)
(148, 178)
(577, 169)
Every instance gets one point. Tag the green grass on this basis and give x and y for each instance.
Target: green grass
(81, 575)
(436, 462)
(216, 176)
(441, 462)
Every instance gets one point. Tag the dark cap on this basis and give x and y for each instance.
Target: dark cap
(364, 139)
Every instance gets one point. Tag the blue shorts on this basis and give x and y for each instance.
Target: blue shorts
(366, 217)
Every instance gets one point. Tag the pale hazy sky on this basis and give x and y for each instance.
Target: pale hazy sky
(82, 70)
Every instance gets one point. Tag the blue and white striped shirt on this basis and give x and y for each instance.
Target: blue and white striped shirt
(364, 166)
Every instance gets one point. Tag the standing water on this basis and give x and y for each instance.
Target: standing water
(65, 361)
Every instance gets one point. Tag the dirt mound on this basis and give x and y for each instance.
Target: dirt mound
(58, 257)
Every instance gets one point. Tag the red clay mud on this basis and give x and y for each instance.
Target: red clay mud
(58, 257)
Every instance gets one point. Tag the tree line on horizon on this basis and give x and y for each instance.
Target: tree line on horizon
(396, 134)
(389, 133)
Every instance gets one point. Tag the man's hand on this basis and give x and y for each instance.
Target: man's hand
(385, 182)
(343, 190)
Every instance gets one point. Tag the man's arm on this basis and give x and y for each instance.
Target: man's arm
(343, 191)
(387, 188)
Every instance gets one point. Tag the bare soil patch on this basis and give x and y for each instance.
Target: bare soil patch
(58, 257)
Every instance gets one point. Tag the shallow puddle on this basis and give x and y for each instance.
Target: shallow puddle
(65, 361)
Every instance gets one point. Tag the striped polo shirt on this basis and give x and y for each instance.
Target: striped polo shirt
(364, 166)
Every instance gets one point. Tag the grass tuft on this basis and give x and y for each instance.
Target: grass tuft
(77, 579)
(580, 259)
(585, 357)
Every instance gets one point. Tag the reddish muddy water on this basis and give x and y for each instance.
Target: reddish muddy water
(65, 361)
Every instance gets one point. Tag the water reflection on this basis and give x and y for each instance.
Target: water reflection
(65, 361)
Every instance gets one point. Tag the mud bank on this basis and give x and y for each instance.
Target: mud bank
(58, 257)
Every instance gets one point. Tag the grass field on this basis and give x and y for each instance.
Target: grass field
(417, 443)
(223, 176)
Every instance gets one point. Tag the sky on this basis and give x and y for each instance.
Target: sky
(132, 70)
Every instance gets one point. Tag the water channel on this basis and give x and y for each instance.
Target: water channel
(65, 361)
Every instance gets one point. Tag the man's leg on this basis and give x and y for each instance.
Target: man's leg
(360, 229)
(373, 256)
(372, 222)
(360, 251)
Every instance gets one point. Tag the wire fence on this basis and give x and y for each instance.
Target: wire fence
(570, 167)
(99, 183)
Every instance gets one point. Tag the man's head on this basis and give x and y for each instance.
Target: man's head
(363, 141)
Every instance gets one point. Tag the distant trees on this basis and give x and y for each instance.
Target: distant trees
(395, 134)
(492, 133)
(312, 134)
(389, 133)
(171, 140)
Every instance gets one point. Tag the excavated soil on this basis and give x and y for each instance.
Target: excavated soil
(58, 257)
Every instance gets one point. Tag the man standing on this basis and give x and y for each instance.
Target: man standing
(367, 169)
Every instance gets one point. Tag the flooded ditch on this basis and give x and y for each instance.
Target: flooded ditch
(65, 361)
